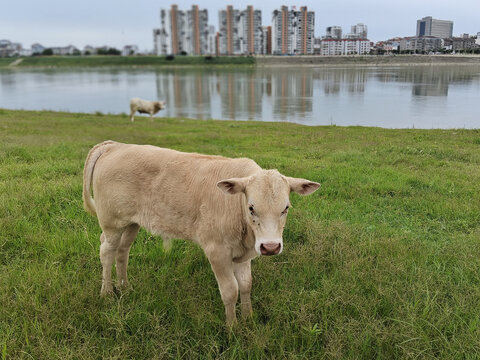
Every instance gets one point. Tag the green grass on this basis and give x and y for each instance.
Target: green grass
(5, 61)
(96, 61)
(382, 262)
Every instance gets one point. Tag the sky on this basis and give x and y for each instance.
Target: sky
(124, 22)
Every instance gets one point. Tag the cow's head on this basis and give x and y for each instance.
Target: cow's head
(266, 204)
(159, 105)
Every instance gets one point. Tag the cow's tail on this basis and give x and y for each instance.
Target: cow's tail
(92, 157)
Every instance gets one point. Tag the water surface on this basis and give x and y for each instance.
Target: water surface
(390, 97)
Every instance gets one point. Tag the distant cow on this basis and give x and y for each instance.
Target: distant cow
(145, 107)
(232, 208)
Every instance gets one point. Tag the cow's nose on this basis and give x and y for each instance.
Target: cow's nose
(270, 248)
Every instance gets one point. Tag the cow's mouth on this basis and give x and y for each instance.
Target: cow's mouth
(270, 248)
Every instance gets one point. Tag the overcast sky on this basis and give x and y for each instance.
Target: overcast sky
(121, 22)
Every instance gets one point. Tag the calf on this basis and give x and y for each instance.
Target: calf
(145, 107)
(232, 208)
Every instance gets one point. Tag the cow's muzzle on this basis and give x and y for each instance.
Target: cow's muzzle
(270, 248)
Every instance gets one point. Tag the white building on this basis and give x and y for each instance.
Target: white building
(37, 48)
(8, 48)
(65, 50)
(478, 39)
(130, 50)
(344, 46)
(434, 27)
(292, 31)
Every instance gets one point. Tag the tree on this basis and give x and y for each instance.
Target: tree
(47, 52)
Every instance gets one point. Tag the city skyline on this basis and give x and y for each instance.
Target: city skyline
(119, 23)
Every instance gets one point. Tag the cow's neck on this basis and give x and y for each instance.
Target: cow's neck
(248, 243)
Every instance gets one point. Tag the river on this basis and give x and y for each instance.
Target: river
(391, 97)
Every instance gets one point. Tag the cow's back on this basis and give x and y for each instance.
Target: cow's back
(168, 192)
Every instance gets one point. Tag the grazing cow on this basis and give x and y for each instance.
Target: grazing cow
(145, 107)
(232, 208)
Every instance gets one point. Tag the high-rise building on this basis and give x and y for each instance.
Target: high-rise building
(266, 40)
(434, 27)
(334, 32)
(240, 32)
(182, 31)
(293, 31)
(360, 31)
(228, 29)
(251, 31)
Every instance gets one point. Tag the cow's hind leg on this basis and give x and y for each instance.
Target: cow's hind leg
(243, 274)
(110, 240)
(123, 250)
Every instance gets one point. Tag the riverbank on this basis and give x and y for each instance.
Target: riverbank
(369, 60)
(382, 262)
(185, 61)
(125, 61)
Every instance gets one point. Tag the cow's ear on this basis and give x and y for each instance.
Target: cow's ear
(302, 186)
(233, 186)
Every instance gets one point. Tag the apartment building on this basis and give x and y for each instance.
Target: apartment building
(334, 32)
(240, 32)
(182, 32)
(359, 31)
(292, 31)
(229, 31)
(344, 46)
(421, 43)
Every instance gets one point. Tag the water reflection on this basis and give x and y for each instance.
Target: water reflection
(290, 93)
(389, 97)
(429, 80)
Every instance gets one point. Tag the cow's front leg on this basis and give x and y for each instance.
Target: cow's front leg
(243, 274)
(222, 267)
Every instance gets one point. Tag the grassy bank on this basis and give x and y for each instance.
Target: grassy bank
(152, 61)
(382, 262)
(95, 61)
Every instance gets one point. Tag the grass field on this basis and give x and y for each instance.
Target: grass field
(382, 262)
(96, 61)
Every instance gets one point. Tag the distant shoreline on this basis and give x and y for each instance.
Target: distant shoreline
(50, 62)
(368, 60)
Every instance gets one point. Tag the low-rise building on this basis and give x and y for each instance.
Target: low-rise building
(65, 50)
(344, 46)
(8, 48)
(37, 49)
(388, 46)
(130, 50)
(421, 44)
(459, 43)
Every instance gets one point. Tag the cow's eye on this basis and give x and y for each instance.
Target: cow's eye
(252, 211)
(285, 211)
